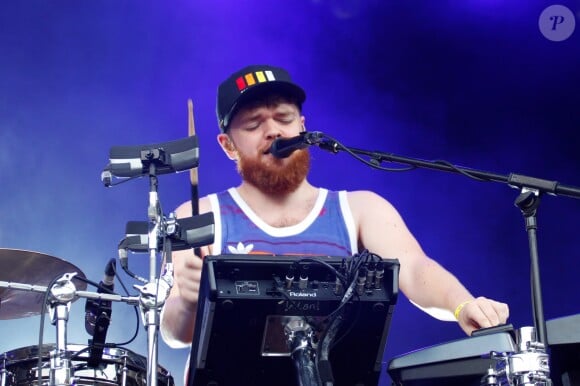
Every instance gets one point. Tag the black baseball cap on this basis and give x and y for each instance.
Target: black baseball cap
(251, 82)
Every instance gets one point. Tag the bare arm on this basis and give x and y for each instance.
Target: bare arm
(425, 282)
(178, 319)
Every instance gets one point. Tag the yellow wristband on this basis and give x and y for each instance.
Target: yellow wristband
(459, 308)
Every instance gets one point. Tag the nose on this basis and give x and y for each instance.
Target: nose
(272, 129)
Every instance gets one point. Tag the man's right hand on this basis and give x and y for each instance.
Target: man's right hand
(179, 313)
(187, 274)
(178, 317)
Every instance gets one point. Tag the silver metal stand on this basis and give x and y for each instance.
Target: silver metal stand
(150, 304)
(62, 293)
(153, 160)
(155, 293)
(299, 338)
(529, 366)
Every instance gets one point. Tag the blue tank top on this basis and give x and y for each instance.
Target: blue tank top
(328, 229)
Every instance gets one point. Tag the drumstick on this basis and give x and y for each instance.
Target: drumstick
(193, 177)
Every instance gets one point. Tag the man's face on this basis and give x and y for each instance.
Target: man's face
(251, 133)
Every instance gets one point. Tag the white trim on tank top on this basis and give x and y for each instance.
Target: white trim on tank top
(217, 218)
(282, 231)
(348, 221)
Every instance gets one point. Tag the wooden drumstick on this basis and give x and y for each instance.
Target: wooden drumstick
(193, 176)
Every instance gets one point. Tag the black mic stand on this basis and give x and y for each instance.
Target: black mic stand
(528, 201)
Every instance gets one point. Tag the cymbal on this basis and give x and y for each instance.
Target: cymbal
(33, 268)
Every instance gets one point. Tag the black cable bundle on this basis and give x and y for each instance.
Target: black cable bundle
(352, 268)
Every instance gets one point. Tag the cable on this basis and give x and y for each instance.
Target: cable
(122, 181)
(324, 263)
(104, 289)
(375, 162)
(136, 315)
(350, 327)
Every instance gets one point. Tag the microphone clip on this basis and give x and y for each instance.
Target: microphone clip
(312, 137)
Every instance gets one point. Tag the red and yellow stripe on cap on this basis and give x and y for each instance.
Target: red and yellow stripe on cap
(252, 78)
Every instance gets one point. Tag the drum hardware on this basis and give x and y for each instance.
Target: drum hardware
(20, 266)
(490, 378)
(60, 296)
(124, 372)
(529, 366)
(118, 367)
(168, 232)
(4, 373)
(131, 162)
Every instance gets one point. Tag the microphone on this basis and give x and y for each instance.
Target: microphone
(283, 147)
(98, 316)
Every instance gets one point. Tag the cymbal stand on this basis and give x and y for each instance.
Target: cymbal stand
(61, 295)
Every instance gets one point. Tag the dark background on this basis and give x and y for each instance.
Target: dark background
(471, 82)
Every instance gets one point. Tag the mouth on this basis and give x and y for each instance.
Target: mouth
(266, 151)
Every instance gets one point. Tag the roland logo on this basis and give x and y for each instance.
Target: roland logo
(302, 294)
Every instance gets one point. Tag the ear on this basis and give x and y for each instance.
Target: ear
(227, 146)
(302, 120)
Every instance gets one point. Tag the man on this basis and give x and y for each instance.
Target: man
(275, 210)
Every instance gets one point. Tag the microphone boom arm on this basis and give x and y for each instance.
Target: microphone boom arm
(513, 180)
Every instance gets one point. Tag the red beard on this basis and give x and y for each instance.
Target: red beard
(276, 178)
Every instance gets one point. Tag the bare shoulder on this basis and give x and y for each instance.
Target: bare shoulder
(367, 202)
(357, 196)
(381, 229)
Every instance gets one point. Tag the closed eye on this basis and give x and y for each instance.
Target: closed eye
(251, 126)
(285, 118)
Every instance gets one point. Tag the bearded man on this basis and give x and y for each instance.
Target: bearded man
(275, 210)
